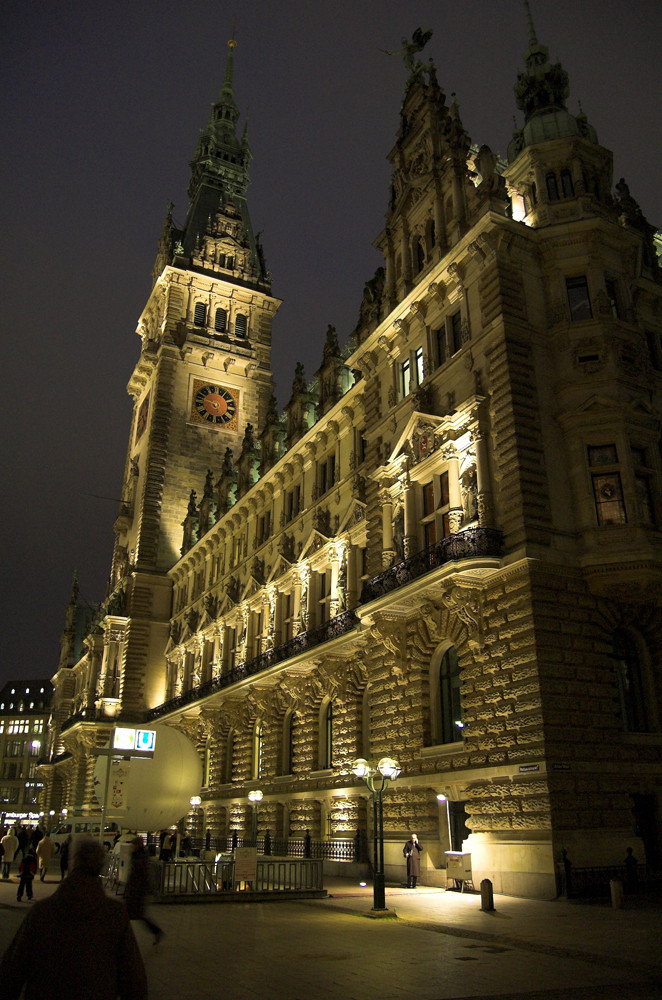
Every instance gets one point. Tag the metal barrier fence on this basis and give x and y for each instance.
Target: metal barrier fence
(208, 878)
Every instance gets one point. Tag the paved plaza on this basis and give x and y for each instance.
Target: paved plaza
(440, 946)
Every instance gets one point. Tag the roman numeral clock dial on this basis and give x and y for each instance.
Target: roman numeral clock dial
(214, 405)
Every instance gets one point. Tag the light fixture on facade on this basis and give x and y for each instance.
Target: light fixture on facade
(195, 801)
(377, 779)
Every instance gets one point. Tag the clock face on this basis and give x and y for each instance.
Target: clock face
(213, 404)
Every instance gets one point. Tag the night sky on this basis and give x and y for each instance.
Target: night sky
(103, 102)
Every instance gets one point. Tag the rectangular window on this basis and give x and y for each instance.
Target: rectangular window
(292, 503)
(654, 351)
(258, 638)
(418, 365)
(200, 314)
(455, 332)
(578, 299)
(326, 473)
(608, 496)
(436, 510)
(612, 295)
(323, 584)
(16, 748)
(602, 454)
(231, 648)
(286, 616)
(440, 344)
(405, 378)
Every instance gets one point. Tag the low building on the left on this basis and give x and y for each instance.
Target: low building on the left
(25, 708)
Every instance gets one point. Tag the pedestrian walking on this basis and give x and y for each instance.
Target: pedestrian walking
(45, 851)
(27, 870)
(64, 857)
(23, 840)
(10, 845)
(412, 852)
(36, 836)
(137, 888)
(77, 944)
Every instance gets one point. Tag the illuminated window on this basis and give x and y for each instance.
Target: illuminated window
(418, 365)
(405, 378)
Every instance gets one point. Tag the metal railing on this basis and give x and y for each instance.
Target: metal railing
(339, 849)
(472, 543)
(209, 878)
(333, 629)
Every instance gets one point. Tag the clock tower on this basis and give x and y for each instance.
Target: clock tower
(203, 375)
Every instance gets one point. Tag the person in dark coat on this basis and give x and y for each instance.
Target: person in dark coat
(64, 857)
(137, 888)
(23, 840)
(76, 944)
(27, 870)
(412, 852)
(36, 836)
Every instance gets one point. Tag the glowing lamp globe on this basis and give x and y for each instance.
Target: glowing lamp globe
(157, 791)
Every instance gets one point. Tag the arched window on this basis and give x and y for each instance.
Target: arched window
(445, 702)
(552, 187)
(220, 320)
(199, 314)
(240, 325)
(326, 735)
(630, 681)
(258, 746)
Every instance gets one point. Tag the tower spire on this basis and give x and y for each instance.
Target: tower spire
(533, 41)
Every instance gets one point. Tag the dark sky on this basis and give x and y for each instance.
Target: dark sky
(102, 106)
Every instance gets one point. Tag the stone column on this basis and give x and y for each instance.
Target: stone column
(296, 606)
(455, 513)
(411, 524)
(484, 493)
(388, 551)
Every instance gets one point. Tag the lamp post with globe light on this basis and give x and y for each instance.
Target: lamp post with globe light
(377, 779)
(255, 797)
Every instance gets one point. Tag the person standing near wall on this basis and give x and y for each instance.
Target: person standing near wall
(412, 852)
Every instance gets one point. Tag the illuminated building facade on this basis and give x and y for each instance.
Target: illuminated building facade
(25, 708)
(447, 549)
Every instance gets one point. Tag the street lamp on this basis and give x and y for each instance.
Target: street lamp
(377, 779)
(255, 797)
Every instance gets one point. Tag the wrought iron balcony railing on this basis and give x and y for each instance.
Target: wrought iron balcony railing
(333, 629)
(469, 544)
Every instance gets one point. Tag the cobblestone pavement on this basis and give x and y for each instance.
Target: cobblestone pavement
(441, 947)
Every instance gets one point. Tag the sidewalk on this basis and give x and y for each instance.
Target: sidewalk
(621, 939)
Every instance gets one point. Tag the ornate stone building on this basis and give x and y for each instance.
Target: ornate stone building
(447, 550)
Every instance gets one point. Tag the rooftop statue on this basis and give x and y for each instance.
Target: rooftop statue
(419, 40)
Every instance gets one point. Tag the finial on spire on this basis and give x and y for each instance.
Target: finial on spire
(529, 19)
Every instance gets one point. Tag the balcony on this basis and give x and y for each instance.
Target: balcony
(302, 643)
(473, 543)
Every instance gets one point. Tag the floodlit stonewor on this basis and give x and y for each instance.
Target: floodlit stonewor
(446, 551)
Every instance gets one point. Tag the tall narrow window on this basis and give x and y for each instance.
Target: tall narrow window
(440, 343)
(200, 314)
(552, 187)
(419, 255)
(220, 321)
(629, 677)
(258, 747)
(240, 325)
(612, 295)
(418, 365)
(288, 743)
(455, 331)
(578, 298)
(328, 730)
(607, 489)
(566, 184)
(642, 484)
(405, 378)
(449, 694)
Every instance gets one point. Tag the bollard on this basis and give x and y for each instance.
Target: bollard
(616, 890)
(486, 895)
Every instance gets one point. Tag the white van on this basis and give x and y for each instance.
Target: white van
(87, 825)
